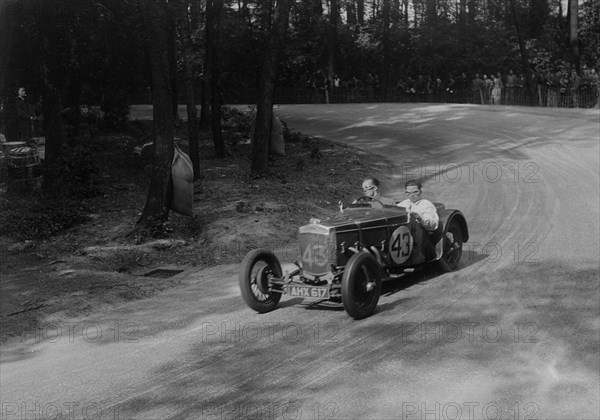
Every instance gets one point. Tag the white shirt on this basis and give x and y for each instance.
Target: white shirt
(425, 210)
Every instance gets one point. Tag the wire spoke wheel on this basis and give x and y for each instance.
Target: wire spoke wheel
(452, 247)
(258, 267)
(361, 285)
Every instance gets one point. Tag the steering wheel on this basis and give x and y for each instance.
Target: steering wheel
(365, 199)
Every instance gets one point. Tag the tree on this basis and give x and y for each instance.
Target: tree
(188, 75)
(156, 210)
(214, 11)
(264, 112)
(523, 50)
(573, 25)
(332, 39)
(50, 34)
(207, 67)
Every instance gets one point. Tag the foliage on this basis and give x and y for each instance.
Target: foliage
(235, 119)
(31, 218)
(77, 170)
(588, 33)
(103, 51)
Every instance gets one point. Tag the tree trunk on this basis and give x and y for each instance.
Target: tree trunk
(51, 103)
(360, 11)
(350, 12)
(573, 27)
(190, 99)
(332, 41)
(173, 68)
(385, 9)
(215, 109)
(264, 114)
(462, 19)
(54, 135)
(529, 86)
(157, 205)
(207, 67)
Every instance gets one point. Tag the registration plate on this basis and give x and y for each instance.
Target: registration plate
(309, 292)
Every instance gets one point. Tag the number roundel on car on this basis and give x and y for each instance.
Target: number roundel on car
(401, 244)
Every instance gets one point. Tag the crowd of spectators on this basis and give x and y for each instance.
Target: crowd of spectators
(558, 87)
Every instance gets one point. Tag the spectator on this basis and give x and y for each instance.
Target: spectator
(575, 88)
(478, 85)
(438, 89)
(25, 116)
(511, 83)
(487, 88)
(595, 80)
(377, 88)
(421, 87)
(497, 89)
(552, 89)
(326, 87)
(563, 88)
(370, 87)
(520, 89)
(356, 86)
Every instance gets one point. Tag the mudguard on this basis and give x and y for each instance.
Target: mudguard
(446, 216)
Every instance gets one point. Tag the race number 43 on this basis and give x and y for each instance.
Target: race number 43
(401, 244)
(315, 254)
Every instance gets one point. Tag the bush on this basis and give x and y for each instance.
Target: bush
(24, 218)
(77, 170)
(235, 119)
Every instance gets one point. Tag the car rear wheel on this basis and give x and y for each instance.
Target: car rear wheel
(257, 268)
(361, 285)
(452, 247)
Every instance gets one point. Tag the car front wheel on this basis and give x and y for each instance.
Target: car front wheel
(361, 285)
(257, 268)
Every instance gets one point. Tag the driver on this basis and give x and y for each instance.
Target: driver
(424, 210)
(370, 187)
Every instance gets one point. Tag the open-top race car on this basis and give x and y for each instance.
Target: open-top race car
(345, 257)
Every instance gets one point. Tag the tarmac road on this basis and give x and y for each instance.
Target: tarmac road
(513, 334)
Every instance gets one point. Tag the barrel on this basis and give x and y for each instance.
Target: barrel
(24, 169)
(11, 145)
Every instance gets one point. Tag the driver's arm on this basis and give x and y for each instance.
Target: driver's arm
(428, 216)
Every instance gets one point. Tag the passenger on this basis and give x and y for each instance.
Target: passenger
(424, 210)
(370, 188)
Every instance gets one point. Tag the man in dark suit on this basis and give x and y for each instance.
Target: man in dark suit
(24, 116)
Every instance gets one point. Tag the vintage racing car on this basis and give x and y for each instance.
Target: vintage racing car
(345, 257)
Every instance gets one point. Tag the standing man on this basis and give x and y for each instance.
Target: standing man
(24, 116)
(575, 88)
(511, 83)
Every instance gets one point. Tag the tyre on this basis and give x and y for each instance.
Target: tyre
(257, 267)
(452, 251)
(361, 285)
